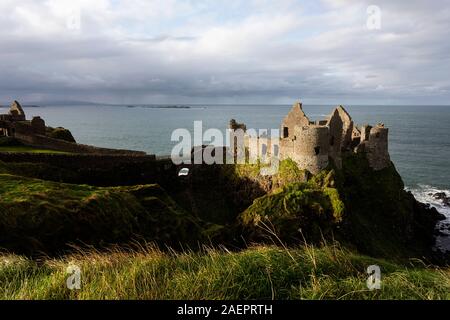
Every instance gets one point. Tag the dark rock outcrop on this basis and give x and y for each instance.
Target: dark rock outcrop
(443, 197)
(60, 134)
(366, 209)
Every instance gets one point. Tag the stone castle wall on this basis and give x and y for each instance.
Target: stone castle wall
(76, 160)
(311, 147)
(286, 148)
(296, 117)
(341, 128)
(45, 142)
(313, 144)
(95, 169)
(377, 148)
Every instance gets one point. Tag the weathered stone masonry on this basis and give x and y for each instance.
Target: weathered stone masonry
(313, 144)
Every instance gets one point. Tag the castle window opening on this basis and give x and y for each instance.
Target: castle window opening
(317, 150)
(332, 141)
(276, 150)
(285, 132)
(264, 149)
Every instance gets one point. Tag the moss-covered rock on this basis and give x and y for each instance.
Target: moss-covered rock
(367, 209)
(296, 212)
(41, 216)
(60, 133)
(245, 183)
(288, 172)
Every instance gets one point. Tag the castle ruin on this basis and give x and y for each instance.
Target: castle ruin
(314, 144)
(35, 133)
(14, 124)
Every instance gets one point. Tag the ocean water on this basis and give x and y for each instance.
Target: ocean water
(419, 136)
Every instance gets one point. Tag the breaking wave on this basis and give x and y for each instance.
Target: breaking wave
(424, 194)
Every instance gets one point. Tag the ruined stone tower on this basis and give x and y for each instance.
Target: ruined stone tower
(374, 144)
(16, 112)
(313, 145)
(295, 117)
(340, 126)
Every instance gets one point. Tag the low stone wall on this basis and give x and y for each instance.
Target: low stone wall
(95, 169)
(75, 160)
(41, 141)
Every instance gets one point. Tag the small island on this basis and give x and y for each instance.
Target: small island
(161, 106)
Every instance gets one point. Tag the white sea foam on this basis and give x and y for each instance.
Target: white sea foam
(424, 194)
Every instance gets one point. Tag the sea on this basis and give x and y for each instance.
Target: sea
(419, 136)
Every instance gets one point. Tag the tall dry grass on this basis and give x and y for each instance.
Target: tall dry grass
(261, 272)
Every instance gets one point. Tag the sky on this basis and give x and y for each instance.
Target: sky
(225, 51)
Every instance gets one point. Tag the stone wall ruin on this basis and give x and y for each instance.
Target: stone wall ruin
(314, 144)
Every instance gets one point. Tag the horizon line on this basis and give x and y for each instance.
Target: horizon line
(99, 104)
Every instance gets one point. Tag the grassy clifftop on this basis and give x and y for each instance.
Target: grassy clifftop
(366, 211)
(40, 215)
(255, 273)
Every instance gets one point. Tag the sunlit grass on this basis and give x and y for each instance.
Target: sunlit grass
(260, 272)
(27, 149)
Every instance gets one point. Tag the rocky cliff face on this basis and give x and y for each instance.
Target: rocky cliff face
(381, 217)
(364, 208)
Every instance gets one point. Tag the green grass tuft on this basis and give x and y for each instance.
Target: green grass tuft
(296, 211)
(27, 149)
(256, 273)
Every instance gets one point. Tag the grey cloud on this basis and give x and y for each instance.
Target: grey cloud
(406, 61)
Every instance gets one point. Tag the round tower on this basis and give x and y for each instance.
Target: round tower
(311, 147)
